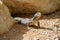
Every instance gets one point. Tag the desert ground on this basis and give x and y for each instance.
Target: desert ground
(22, 32)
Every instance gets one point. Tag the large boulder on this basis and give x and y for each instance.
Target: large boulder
(32, 6)
(6, 21)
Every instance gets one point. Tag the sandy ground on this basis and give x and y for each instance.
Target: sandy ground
(21, 32)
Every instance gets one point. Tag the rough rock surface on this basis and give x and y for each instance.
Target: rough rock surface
(6, 21)
(32, 6)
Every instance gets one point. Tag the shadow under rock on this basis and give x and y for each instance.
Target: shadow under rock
(54, 15)
(15, 33)
(36, 27)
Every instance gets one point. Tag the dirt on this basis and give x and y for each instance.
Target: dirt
(22, 32)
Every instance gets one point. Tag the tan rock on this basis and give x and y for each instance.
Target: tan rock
(6, 21)
(32, 6)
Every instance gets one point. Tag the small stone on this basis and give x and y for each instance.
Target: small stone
(47, 39)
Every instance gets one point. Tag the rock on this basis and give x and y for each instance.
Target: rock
(32, 6)
(6, 21)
